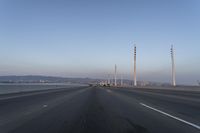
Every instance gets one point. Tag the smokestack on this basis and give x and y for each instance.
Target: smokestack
(173, 67)
(135, 80)
(115, 75)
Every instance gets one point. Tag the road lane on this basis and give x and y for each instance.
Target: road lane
(129, 106)
(96, 110)
(174, 117)
(15, 112)
(183, 106)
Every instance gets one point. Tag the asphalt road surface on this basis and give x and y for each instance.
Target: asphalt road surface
(100, 110)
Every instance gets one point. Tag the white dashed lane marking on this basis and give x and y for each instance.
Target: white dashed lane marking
(109, 91)
(44, 106)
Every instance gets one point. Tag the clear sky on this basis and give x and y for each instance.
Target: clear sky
(85, 38)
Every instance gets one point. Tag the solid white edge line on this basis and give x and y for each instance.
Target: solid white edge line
(174, 117)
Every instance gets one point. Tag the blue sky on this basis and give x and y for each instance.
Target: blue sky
(76, 38)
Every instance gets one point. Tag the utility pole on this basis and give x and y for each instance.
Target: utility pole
(173, 67)
(121, 80)
(115, 75)
(135, 78)
(109, 79)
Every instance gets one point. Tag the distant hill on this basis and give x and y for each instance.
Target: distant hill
(51, 79)
(43, 79)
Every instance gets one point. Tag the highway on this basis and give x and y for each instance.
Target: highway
(100, 110)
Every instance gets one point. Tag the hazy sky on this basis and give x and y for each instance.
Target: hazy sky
(85, 38)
